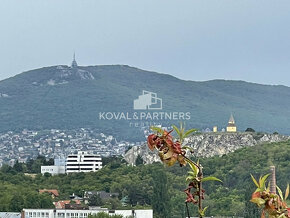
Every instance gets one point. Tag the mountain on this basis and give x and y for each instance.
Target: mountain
(66, 98)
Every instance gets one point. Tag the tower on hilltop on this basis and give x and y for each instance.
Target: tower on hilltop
(74, 63)
(231, 124)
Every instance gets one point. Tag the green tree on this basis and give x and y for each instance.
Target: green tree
(18, 167)
(95, 200)
(139, 160)
(7, 169)
(104, 215)
(251, 210)
(32, 200)
(160, 200)
(250, 130)
(17, 203)
(46, 201)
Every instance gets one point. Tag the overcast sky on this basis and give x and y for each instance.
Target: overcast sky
(190, 39)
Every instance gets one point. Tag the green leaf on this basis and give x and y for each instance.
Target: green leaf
(191, 173)
(287, 192)
(280, 193)
(188, 148)
(189, 132)
(157, 129)
(263, 181)
(210, 178)
(193, 167)
(202, 212)
(282, 216)
(190, 178)
(176, 129)
(255, 181)
(258, 201)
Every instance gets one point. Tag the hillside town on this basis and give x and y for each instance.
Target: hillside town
(55, 143)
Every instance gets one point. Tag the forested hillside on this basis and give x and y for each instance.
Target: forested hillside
(65, 98)
(154, 185)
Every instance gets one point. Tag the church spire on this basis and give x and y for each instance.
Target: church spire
(232, 120)
(74, 63)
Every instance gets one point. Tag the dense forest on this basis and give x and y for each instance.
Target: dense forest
(152, 186)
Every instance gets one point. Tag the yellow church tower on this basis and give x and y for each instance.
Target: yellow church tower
(231, 125)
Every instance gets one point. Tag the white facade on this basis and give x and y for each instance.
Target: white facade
(63, 213)
(83, 162)
(53, 170)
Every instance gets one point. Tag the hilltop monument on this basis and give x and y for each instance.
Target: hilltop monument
(74, 63)
(231, 125)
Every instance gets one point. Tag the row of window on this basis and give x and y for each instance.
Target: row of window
(84, 161)
(37, 214)
(58, 215)
(69, 169)
(80, 164)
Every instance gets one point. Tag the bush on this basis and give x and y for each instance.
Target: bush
(250, 130)
(105, 215)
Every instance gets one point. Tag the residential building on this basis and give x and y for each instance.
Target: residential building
(54, 193)
(83, 162)
(53, 170)
(102, 194)
(10, 215)
(68, 213)
(61, 204)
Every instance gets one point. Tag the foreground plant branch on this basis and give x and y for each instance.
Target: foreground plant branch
(172, 150)
(272, 204)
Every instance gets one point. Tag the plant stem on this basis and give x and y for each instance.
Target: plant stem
(189, 160)
(188, 215)
(200, 191)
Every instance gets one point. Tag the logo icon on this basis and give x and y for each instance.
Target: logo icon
(148, 101)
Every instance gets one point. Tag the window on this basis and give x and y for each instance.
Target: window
(60, 215)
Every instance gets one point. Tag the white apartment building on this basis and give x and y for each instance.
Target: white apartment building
(53, 170)
(83, 162)
(57, 168)
(63, 213)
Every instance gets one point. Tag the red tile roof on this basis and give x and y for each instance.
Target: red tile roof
(61, 204)
(50, 191)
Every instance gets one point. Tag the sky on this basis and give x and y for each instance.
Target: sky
(191, 39)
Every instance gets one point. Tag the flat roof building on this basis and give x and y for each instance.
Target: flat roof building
(83, 162)
(67, 213)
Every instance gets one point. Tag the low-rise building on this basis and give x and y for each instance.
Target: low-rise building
(53, 170)
(10, 215)
(54, 193)
(68, 213)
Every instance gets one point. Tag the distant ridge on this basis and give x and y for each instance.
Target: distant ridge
(66, 98)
